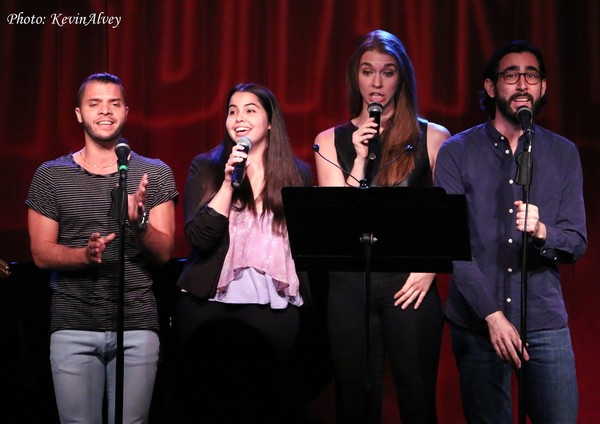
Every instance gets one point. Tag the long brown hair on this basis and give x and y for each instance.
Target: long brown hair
(402, 128)
(280, 166)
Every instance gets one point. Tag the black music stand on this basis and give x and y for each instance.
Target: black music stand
(417, 229)
(399, 229)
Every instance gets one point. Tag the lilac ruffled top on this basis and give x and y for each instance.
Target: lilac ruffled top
(258, 267)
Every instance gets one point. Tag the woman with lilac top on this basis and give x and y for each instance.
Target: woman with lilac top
(240, 283)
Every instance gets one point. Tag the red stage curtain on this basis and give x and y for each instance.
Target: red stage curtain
(178, 58)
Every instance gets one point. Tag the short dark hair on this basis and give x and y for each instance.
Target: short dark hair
(487, 103)
(103, 77)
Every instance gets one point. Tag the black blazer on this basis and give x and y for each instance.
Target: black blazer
(207, 231)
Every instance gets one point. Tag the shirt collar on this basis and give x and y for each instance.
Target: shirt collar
(494, 136)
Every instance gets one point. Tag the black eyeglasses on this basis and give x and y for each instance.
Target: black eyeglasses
(512, 77)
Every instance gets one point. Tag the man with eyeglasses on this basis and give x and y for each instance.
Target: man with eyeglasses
(484, 302)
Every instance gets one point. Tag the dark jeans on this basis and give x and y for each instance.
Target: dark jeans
(550, 381)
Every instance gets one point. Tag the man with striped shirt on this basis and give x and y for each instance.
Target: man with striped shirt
(73, 234)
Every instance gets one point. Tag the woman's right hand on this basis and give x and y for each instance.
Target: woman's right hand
(222, 200)
(237, 156)
(362, 136)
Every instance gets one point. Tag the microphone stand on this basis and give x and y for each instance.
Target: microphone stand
(374, 150)
(375, 110)
(367, 240)
(122, 195)
(523, 178)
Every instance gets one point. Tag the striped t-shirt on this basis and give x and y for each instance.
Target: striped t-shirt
(85, 299)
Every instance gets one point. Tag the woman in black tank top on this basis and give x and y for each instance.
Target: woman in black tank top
(384, 144)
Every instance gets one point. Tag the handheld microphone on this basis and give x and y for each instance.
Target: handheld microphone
(375, 110)
(240, 168)
(346, 173)
(525, 117)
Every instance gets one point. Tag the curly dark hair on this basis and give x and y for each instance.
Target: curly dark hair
(487, 103)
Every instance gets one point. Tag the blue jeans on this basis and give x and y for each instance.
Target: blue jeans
(550, 383)
(84, 366)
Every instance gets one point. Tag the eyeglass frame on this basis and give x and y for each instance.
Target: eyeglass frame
(524, 74)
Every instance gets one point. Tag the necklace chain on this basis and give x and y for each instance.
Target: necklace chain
(94, 165)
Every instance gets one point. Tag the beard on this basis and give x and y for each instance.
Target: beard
(503, 106)
(87, 127)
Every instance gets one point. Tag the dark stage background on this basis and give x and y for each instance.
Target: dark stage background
(178, 59)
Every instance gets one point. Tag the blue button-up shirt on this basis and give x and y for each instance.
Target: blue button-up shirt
(479, 164)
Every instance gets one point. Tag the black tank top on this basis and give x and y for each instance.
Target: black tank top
(420, 176)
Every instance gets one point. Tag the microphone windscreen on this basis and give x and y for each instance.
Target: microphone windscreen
(524, 115)
(245, 142)
(122, 150)
(375, 109)
(122, 145)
